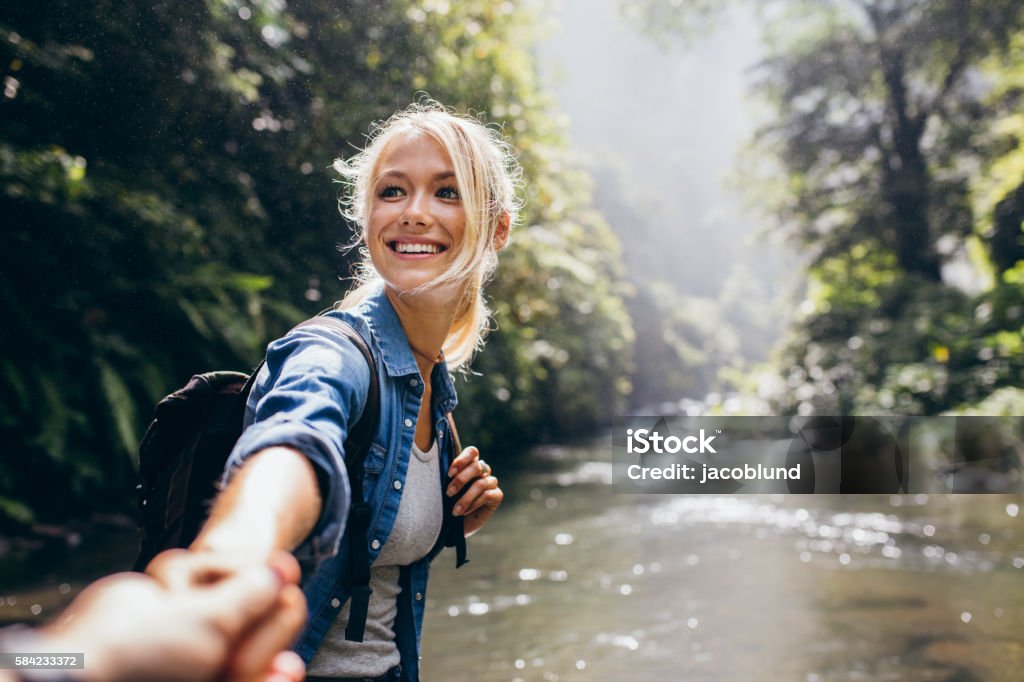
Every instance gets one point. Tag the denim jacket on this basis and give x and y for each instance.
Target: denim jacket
(311, 390)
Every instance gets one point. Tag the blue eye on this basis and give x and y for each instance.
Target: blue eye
(448, 193)
(390, 192)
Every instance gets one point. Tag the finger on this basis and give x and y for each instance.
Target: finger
(287, 666)
(489, 500)
(286, 567)
(465, 477)
(475, 520)
(470, 499)
(180, 568)
(169, 567)
(281, 677)
(467, 456)
(476, 470)
(257, 655)
(239, 602)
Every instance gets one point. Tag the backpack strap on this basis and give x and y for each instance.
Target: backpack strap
(456, 533)
(359, 438)
(357, 445)
(247, 390)
(455, 433)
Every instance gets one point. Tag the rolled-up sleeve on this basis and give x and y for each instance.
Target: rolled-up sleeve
(308, 395)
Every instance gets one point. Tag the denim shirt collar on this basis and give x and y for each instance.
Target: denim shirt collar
(389, 335)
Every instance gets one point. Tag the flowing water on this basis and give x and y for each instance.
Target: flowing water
(572, 582)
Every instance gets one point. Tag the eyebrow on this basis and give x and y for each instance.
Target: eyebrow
(443, 175)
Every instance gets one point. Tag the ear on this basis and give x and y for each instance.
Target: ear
(502, 230)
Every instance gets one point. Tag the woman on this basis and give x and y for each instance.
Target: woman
(434, 196)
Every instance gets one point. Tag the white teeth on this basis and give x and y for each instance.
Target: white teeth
(405, 247)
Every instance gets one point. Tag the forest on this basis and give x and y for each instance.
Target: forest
(169, 207)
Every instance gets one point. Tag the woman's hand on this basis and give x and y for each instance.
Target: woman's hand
(482, 496)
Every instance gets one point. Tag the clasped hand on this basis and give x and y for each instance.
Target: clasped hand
(133, 628)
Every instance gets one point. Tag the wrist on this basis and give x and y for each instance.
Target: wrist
(271, 504)
(243, 544)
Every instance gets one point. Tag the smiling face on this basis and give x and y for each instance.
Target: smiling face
(416, 220)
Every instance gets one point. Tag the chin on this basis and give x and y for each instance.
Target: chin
(409, 289)
(408, 285)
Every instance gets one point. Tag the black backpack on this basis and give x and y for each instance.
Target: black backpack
(187, 444)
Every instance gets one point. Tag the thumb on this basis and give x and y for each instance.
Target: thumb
(235, 603)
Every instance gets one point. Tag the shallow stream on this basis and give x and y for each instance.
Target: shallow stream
(573, 582)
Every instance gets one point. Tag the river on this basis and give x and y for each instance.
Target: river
(572, 582)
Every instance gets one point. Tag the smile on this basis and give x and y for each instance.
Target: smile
(415, 247)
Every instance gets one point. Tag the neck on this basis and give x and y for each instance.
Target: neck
(426, 322)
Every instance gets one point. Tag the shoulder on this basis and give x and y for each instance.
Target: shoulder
(322, 347)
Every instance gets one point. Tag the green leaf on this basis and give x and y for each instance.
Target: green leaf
(122, 409)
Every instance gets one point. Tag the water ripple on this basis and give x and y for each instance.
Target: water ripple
(848, 537)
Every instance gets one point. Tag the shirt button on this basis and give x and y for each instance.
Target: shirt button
(419, 596)
(335, 602)
(375, 544)
(408, 423)
(398, 485)
(414, 382)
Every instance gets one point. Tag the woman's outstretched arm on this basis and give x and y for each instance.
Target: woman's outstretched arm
(271, 504)
(286, 486)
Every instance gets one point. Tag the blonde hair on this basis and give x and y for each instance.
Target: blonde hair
(487, 176)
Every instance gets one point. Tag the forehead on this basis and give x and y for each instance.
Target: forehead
(414, 152)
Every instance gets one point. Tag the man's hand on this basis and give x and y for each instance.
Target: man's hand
(235, 628)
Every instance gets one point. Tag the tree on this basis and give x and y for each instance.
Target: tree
(880, 132)
(169, 209)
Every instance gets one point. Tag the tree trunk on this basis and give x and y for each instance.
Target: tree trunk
(1007, 240)
(907, 183)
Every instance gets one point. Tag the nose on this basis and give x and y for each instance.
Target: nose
(416, 211)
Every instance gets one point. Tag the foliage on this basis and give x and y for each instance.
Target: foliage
(168, 209)
(685, 342)
(696, 310)
(893, 160)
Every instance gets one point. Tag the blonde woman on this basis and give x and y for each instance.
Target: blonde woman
(434, 195)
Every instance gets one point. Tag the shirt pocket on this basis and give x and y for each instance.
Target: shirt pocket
(373, 465)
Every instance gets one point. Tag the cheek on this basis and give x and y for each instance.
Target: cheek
(377, 219)
(456, 222)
